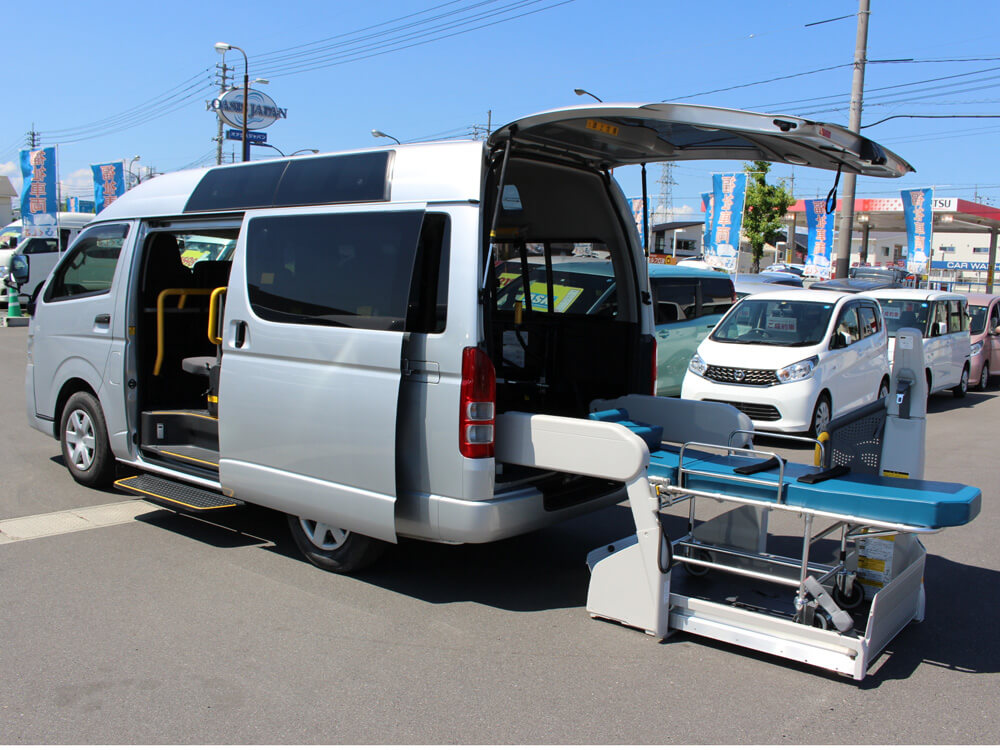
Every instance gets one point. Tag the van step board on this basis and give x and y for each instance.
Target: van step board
(188, 454)
(176, 495)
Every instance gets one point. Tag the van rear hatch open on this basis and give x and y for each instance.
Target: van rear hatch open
(613, 135)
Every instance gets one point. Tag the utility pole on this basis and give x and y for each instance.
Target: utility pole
(851, 179)
(667, 183)
(34, 137)
(223, 87)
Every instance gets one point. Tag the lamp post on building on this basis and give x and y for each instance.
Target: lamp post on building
(222, 48)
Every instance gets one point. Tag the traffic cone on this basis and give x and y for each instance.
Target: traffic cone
(13, 303)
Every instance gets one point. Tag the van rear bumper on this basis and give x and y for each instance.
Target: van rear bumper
(452, 520)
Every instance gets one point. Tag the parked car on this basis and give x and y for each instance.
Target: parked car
(794, 360)
(892, 274)
(774, 277)
(853, 285)
(942, 319)
(984, 335)
(797, 268)
(688, 302)
(747, 284)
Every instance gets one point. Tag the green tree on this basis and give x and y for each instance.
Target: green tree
(765, 205)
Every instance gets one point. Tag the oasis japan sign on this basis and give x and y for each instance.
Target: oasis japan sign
(263, 111)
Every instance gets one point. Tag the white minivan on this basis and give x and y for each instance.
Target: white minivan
(342, 355)
(40, 254)
(943, 319)
(794, 360)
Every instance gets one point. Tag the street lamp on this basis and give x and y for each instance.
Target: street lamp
(300, 151)
(132, 161)
(380, 134)
(222, 48)
(584, 92)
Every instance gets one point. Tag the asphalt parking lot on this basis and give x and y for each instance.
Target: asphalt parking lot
(133, 625)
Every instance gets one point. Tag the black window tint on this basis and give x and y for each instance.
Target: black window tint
(335, 179)
(428, 306)
(675, 299)
(250, 186)
(89, 267)
(38, 245)
(716, 295)
(333, 269)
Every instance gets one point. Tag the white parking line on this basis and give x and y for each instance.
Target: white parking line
(68, 521)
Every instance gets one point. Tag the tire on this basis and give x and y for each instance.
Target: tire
(962, 388)
(822, 414)
(335, 550)
(83, 435)
(984, 377)
(852, 602)
(698, 570)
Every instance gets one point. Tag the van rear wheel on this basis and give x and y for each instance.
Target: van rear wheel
(962, 388)
(83, 436)
(334, 549)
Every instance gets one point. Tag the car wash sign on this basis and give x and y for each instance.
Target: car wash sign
(919, 227)
(39, 196)
(729, 192)
(263, 112)
(820, 225)
(109, 183)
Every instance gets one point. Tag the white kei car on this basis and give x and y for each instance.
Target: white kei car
(793, 360)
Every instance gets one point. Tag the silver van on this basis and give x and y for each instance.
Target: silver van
(322, 335)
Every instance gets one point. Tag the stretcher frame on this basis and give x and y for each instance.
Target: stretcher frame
(631, 578)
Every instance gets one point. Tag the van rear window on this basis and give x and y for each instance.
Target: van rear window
(351, 270)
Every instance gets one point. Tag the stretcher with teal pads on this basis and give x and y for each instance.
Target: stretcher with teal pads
(909, 502)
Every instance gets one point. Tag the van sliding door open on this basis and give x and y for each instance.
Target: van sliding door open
(314, 324)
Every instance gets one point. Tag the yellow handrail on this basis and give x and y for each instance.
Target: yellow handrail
(160, 304)
(823, 437)
(213, 311)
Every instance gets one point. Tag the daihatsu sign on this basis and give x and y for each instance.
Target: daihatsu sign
(263, 111)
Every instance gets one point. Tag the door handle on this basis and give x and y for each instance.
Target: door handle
(103, 319)
(240, 334)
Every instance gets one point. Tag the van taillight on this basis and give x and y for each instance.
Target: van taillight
(476, 421)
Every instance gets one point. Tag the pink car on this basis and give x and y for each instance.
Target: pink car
(984, 328)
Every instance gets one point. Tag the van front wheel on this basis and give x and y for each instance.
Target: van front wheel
(83, 436)
(333, 549)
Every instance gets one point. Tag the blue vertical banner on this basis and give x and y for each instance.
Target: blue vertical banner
(820, 225)
(109, 183)
(919, 228)
(706, 206)
(729, 192)
(635, 206)
(39, 193)
(73, 204)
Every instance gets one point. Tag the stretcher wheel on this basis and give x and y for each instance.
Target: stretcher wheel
(822, 621)
(698, 570)
(849, 601)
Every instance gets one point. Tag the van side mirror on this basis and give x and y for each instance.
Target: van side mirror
(940, 328)
(19, 269)
(996, 331)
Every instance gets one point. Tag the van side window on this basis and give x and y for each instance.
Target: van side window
(350, 269)
(678, 299)
(956, 316)
(38, 245)
(847, 325)
(427, 311)
(869, 321)
(89, 267)
(939, 315)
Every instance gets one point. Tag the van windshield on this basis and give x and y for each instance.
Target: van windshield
(904, 313)
(977, 314)
(775, 322)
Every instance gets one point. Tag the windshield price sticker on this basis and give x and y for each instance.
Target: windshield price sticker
(562, 296)
(776, 323)
(890, 313)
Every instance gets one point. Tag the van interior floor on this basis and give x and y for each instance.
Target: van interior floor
(182, 436)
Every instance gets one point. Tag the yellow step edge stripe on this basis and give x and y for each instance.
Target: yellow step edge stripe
(188, 458)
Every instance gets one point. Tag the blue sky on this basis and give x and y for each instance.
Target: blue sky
(82, 72)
